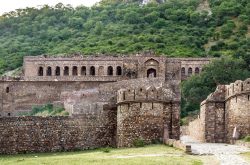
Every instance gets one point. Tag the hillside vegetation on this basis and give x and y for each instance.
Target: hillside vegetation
(175, 28)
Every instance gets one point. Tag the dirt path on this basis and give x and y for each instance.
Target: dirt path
(226, 154)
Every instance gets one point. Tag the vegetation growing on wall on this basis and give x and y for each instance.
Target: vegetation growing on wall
(46, 110)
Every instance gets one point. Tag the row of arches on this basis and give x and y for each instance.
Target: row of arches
(65, 71)
(190, 71)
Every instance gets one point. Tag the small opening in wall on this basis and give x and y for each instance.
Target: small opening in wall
(241, 87)
(248, 82)
(7, 89)
(140, 105)
(141, 89)
(248, 97)
(152, 105)
(236, 99)
(8, 114)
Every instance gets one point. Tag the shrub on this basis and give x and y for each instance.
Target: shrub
(139, 143)
(247, 138)
(105, 150)
(156, 141)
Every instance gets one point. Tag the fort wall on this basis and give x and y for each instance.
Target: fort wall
(142, 113)
(19, 96)
(225, 110)
(51, 134)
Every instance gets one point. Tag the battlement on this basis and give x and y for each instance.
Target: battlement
(145, 94)
(238, 87)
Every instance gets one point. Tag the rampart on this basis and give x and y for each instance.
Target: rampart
(143, 112)
(225, 110)
(50, 134)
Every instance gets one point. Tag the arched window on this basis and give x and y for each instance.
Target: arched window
(92, 70)
(151, 72)
(40, 71)
(110, 70)
(197, 70)
(57, 72)
(190, 71)
(74, 71)
(118, 70)
(7, 89)
(183, 71)
(83, 70)
(49, 71)
(66, 71)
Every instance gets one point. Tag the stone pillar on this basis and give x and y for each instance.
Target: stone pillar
(79, 70)
(53, 70)
(70, 71)
(175, 121)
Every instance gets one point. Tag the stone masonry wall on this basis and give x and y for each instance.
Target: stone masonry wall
(144, 113)
(50, 134)
(139, 121)
(224, 110)
(20, 96)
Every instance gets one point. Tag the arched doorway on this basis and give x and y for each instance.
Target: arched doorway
(151, 72)
(151, 67)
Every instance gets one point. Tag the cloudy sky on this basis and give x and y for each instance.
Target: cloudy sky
(10, 5)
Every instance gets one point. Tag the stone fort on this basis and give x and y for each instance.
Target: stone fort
(112, 101)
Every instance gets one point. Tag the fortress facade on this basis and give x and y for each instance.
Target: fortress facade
(112, 101)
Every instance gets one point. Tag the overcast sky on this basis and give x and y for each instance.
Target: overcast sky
(10, 5)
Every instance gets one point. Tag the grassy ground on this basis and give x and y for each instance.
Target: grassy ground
(153, 154)
(247, 156)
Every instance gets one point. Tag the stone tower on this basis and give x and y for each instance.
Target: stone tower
(143, 112)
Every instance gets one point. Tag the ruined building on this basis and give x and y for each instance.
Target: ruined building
(112, 101)
(223, 112)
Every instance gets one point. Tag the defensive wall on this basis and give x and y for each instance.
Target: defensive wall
(51, 134)
(225, 110)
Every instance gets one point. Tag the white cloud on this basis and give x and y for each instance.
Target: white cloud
(10, 5)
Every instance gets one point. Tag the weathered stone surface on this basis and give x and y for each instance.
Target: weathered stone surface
(228, 107)
(50, 134)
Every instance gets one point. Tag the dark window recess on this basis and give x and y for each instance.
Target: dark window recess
(119, 71)
(110, 70)
(92, 70)
(66, 71)
(57, 73)
(7, 89)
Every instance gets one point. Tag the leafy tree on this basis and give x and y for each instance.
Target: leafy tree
(220, 71)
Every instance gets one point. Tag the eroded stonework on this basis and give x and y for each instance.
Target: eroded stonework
(121, 99)
(225, 110)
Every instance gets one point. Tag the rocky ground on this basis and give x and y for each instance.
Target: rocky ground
(225, 153)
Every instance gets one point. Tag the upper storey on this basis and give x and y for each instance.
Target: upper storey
(109, 68)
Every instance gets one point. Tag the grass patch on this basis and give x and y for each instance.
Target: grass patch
(246, 156)
(148, 155)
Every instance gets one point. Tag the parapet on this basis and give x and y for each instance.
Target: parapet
(217, 96)
(223, 92)
(238, 87)
(145, 94)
